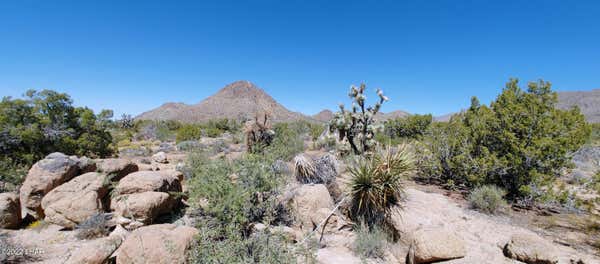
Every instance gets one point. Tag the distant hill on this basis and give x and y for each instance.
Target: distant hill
(238, 100)
(588, 102)
(323, 116)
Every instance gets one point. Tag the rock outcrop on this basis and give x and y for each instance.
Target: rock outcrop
(142, 196)
(45, 175)
(75, 201)
(308, 200)
(98, 251)
(116, 168)
(435, 244)
(165, 243)
(10, 210)
(531, 249)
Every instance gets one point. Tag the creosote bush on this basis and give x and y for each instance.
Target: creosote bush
(488, 199)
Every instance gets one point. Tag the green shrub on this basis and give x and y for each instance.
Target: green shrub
(520, 142)
(412, 126)
(11, 174)
(239, 193)
(369, 242)
(487, 198)
(45, 122)
(189, 132)
(595, 134)
(376, 187)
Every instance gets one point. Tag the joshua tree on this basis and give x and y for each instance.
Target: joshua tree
(258, 134)
(357, 126)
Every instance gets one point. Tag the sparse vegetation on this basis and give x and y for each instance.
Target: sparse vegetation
(369, 242)
(488, 199)
(357, 127)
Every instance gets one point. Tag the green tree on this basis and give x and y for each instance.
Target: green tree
(520, 142)
(46, 121)
(413, 126)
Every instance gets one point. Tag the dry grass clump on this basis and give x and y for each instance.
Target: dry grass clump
(487, 198)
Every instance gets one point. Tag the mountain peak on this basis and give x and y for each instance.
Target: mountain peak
(241, 88)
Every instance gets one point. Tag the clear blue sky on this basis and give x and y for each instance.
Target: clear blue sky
(428, 56)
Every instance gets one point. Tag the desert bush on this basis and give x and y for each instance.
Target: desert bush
(239, 193)
(595, 134)
(369, 242)
(375, 185)
(287, 142)
(412, 126)
(45, 122)
(11, 174)
(487, 198)
(520, 143)
(189, 132)
(357, 127)
(94, 227)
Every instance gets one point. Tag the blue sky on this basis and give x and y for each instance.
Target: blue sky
(428, 56)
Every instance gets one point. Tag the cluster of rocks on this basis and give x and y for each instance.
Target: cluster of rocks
(67, 190)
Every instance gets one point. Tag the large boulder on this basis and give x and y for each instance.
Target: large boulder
(148, 181)
(435, 244)
(98, 251)
(165, 243)
(77, 200)
(45, 175)
(308, 199)
(531, 249)
(143, 207)
(117, 168)
(160, 157)
(10, 210)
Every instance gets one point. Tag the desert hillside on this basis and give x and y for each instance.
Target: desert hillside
(239, 100)
(587, 101)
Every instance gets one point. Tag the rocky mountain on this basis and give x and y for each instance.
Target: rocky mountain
(238, 100)
(588, 102)
(323, 116)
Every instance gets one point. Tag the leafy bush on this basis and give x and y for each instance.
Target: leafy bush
(412, 126)
(375, 186)
(239, 193)
(369, 242)
(45, 122)
(357, 127)
(487, 198)
(286, 143)
(520, 143)
(189, 132)
(595, 134)
(11, 174)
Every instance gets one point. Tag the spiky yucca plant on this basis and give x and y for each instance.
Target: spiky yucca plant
(304, 168)
(375, 186)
